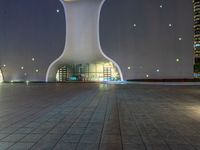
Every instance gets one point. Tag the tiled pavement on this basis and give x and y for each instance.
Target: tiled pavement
(90, 116)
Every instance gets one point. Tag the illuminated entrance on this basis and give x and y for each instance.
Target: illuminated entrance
(88, 72)
(1, 76)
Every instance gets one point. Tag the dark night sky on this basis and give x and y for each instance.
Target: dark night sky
(33, 28)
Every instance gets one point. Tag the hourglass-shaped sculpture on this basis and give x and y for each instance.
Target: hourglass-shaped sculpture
(82, 44)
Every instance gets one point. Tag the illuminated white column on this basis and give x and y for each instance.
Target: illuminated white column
(82, 44)
(1, 76)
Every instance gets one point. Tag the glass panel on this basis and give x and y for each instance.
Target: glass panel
(88, 72)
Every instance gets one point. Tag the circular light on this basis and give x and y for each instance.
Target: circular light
(4, 65)
(158, 70)
(36, 70)
(177, 60)
(57, 10)
(170, 25)
(134, 25)
(129, 68)
(179, 38)
(161, 6)
(22, 68)
(33, 59)
(147, 75)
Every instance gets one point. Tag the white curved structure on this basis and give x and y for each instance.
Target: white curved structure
(82, 44)
(1, 76)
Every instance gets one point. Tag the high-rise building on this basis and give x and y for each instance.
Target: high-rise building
(196, 4)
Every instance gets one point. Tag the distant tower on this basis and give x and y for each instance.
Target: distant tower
(82, 55)
(196, 4)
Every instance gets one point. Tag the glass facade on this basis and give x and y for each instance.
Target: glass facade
(196, 4)
(88, 72)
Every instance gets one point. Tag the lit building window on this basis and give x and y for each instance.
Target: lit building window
(104, 71)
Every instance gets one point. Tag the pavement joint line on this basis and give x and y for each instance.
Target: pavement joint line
(117, 106)
(137, 127)
(56, 124)
(74, 121)
(142, 116)
(90, 118)
(100, 140)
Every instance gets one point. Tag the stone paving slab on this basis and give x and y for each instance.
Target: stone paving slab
(92, 116)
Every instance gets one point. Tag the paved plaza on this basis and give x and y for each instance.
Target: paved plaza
(93, 116)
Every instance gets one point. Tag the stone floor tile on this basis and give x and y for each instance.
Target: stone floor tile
(87, 146)
(80, 124)
(154, 140)
(3, 136)
(8, 130)
(76, 130)
(31, 138)
(90, 138)
(111, 139)
(24, 130)
(13, 137)
(42, 145)
(131, 139)
(53, 115)
(51, 138)
(73, 138)
(106, 146)
(133, 147)
(5, 145)
(175, 140)
(194, 140)
(157, 147)
(21, 146)
(181, 147)
(33, 125)
(65, 146)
